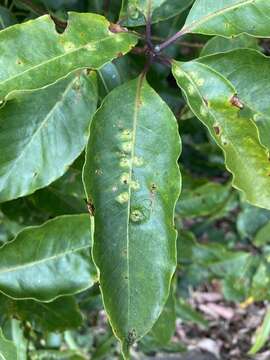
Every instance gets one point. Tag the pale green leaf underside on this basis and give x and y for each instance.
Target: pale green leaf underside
(129, 16)
(8, 349)
(229, 17)
(40, 139)
(249, 72)
(48, 261)
(209, 95)
(34, 55)
(132, 177)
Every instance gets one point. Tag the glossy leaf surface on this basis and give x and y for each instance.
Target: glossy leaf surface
(86, 43)
(212, 99)
(132, 177)
(47, 261)
(40, 139)
(229, 18)
(249, 72)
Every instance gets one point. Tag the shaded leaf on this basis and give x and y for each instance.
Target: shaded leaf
(40, 139)
(6, 18)
(212, 99)
(219, 44)
(250, 220)
(204, 200)
(130, 16)
(58, 315)
(8, 349)
(86, 43)
(262, 237)
(248, 70)
(229, 18)
(134, 183)
(48, 261)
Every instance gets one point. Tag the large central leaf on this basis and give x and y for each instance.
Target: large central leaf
(132, 177)
(213, 100)
(33, 54)
(229, 17)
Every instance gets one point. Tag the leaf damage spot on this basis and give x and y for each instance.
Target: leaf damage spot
(134, 185)
(131, 337)
(203, 110)
(124, 162)
(123, 197)
(191, 89)
(138, 161)
(116, 28)
(126, 135)
(98, 172)
(235, 101)
(216, 129)
(125, 178)
(139, 214)
(127, 146)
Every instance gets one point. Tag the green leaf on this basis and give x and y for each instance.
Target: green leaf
(8, 350)
(187, 314)
(51, 137)
(58, 315)
(229, 18)
(262, 236)
(248, 70)
(163, 330)
(204, 200)
(54, 260)
(250, 220)
(86, 43)
(6, 18)
(56, 355)
(130, 16)
(134, 183)
(262, 334)
(219, 44)
(213, 100)
(260, 282)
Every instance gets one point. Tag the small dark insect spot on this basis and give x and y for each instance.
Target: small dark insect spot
(19, 62)
(131, 338)
(126, 277)
(116, 28)
(217, 130)
(120, 54)
(35, 174)
(235, 101)
(205, 101)
(224, 143)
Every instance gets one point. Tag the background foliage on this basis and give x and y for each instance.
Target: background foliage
(223, 239)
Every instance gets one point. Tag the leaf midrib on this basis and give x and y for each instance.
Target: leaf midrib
(194, 24)
(134, 132)
(58, 57)
(30, 264)
(42, 125)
